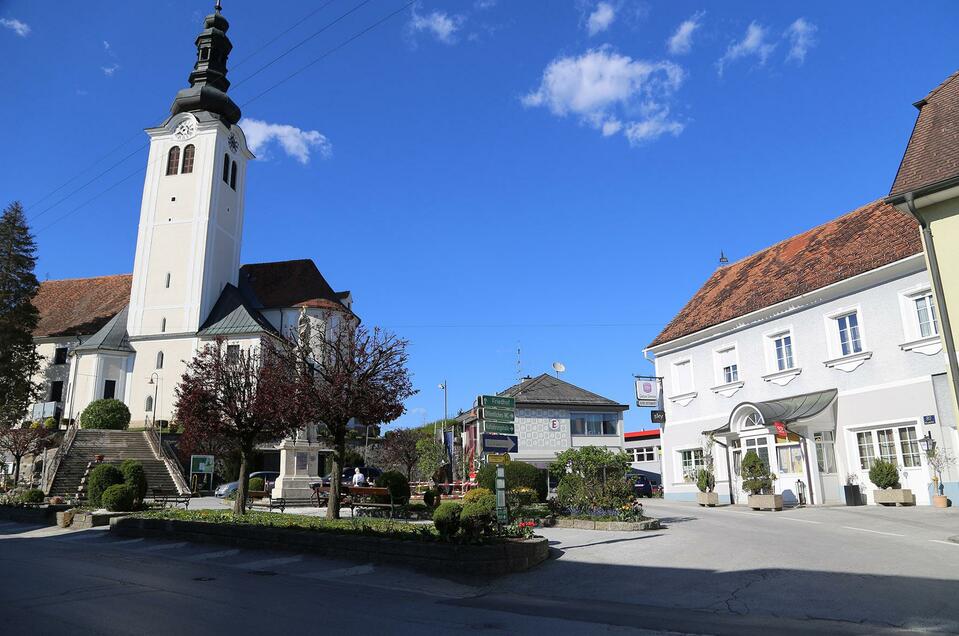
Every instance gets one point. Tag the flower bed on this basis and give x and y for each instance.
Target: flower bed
(376, 540)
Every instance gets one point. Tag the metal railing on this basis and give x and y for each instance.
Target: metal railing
(50, 472)
(171, 463)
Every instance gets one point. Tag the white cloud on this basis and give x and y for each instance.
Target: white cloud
(295, 142)
(802, 36)
(441, 25)
(110, 70)
(754, 43)
(106, 45)
(681, 42)
(612, 93)
(20, 28)
(482, 5)
(601, 18)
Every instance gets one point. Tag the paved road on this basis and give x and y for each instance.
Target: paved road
(720, 571)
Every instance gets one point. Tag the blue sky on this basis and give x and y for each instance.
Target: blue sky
(484, 176)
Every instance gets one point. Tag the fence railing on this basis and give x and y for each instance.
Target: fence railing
(171, 463)
(50, 472)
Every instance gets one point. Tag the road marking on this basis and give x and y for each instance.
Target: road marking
(795, 519)
(889, 534)
(342, 572)
(214, 555)
(946, 542)
(266, 563)
(166, 546)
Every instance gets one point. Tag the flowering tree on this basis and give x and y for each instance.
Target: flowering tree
(351, 373)
(245, 398)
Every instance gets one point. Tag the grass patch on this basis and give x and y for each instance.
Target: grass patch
(362, 525)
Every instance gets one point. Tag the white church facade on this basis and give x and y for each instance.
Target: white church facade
(130, 336)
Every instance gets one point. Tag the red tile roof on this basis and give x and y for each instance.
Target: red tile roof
(289, 284)
(80, 305)
(866, 238)
(635, 435)
(933, 151)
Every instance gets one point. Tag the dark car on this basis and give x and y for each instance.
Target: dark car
(642, 487)
(346, 477)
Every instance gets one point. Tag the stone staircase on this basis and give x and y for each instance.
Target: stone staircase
(115, 446)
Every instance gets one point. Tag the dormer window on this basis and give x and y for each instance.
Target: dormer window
(173, 161)
(188, 154)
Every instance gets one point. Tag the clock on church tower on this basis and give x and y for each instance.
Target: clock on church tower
(191, 216)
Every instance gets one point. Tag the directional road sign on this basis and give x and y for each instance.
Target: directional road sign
(506, 428)
(497, 415)
(497, 401)
(493, 443)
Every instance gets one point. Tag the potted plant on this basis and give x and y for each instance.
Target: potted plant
(939, 460)
(885, 475)
(758, 481)
(852, 491)
(705, 481)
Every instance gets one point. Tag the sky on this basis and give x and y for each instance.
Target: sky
(505, 184)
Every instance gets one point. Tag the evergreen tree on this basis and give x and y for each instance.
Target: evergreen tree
(19, 361)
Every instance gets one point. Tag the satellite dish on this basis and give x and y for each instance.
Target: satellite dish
(559, 367)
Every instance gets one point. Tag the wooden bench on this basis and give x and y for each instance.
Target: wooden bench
(263, 499)
(164, 497)
(366, 497)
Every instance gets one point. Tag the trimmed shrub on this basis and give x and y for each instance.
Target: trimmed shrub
(50, 424)
(431, 498)
(135, 477)
(475, 493)
(397, 484)
(755, 473)
(521, 496)
(705, 480)
(109, 414)
(884, 474)
(118, 498)
(518, 474)
(32, 496)
(102, 477)
(568, 490)
(446, 518)
(255, 483)
(478, 515)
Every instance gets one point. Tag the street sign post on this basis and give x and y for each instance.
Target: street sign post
(495, 401)
(498, 459)
(494, 443)
(501, 515)
(497, 414)
(499, 427)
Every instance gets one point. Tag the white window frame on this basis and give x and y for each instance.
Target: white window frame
(774, 374)
(850, 361)
(682, 395)
(584, 415)
(913, 340)
(689, 477)
(898, 455)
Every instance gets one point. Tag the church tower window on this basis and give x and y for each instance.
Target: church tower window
(173, 160)
(188, 153)
(226, 168)
(167, 284)
(233, 176)
(162, 325)
(148, 407)
(159, 359)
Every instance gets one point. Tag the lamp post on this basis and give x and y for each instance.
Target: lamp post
(446, 416)
(155, 381)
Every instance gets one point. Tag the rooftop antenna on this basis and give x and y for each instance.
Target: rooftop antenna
(519, 363)
(722, 259)
(559, 367)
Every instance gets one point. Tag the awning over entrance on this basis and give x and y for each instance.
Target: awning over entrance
(785, 410)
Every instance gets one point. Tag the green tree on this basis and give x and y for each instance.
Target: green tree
(432, 456)
(19, 361)
(398, 450)
(592, 477)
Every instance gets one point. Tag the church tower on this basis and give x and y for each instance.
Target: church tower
(191, 216)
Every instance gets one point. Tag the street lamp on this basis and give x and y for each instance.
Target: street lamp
(155, 381)
(927, 444)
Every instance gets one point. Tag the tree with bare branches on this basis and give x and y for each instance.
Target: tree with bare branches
(353, 373)
(247, 397)
(399, 449)
(20, 442)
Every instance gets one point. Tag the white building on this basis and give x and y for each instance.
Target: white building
(552, 416)
(130, 336)
(644, 449)
(832, 332)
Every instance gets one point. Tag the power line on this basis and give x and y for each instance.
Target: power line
(281, 34)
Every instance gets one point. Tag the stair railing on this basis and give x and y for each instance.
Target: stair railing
(50, 473)
(172, 465)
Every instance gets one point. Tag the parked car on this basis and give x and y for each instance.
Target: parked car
(346, 477)
(269, 478)
(642, 486)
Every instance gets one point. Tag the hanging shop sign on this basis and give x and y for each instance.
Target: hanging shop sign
(647, 391)
(657, 417)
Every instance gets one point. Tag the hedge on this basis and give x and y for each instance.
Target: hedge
(106, 414)
(118, 498)
(518, 475)
(446, 519)
(135, 477)
(397, 485)
(102, 477)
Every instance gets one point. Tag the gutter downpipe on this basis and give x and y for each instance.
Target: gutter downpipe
(940, 296)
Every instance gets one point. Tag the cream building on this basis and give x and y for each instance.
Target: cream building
(130, 336)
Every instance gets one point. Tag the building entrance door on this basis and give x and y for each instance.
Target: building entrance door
(828, 470)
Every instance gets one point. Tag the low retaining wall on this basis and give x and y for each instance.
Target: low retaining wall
(515, 555)
(46, 514)
(619, 526)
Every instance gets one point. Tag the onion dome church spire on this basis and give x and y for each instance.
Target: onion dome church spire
(208, 82)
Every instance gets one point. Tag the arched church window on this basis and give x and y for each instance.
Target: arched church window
(148, 406)
(226, 168)
(167, 283)
(162, 325)
(188, 153)
(159, 359)
(233, 176)
(173, 160)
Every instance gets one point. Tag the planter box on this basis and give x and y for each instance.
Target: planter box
(512, 555)
(707, 498)
(940, 501)
(853, 495)
(894, 497)
(95, 519)
(766, 502)
(616, 526)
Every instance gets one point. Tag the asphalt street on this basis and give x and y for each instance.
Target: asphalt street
(716, 571)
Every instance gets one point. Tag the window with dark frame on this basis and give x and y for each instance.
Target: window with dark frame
(159, 360)
(226, 168)
(233, 176)
(109, 389)
(173, 161)
(188, 154)
(60, 355)
(56, 391)
(232, 352)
